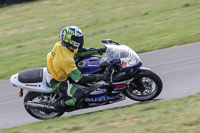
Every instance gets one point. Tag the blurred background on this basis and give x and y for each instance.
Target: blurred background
(29, 29)
(8, 2)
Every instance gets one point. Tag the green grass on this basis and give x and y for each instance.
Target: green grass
(174, 116)
(28, 31)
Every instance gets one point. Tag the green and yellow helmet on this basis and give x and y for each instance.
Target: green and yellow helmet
(72, 35)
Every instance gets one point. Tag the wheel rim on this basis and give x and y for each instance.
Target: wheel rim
(42, 114)
(144, 88)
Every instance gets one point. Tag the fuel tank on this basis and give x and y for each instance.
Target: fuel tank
(89, 65)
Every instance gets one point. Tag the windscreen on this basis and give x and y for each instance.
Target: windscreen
(122, 53)
(116, 52)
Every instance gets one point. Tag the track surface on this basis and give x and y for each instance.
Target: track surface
(179, 68)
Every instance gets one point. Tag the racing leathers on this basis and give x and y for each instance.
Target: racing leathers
(61, 65)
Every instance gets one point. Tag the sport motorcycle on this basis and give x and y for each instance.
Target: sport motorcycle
(127, 79)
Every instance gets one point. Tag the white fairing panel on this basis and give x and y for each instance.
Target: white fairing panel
(36, 87)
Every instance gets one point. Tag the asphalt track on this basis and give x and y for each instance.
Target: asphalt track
(179, 68)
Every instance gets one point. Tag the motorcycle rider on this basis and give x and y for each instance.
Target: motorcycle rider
(61, 66)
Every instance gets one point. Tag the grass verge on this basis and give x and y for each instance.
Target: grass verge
(174, 116)
(28, 31)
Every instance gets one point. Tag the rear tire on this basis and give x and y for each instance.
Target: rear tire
(141, 89)
(30, 96)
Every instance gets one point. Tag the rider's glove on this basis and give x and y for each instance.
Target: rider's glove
(101, 50)
(105, 76)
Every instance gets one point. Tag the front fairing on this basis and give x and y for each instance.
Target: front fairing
(122, 54)
(114, 53)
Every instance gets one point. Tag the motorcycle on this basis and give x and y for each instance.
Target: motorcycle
(127, 79)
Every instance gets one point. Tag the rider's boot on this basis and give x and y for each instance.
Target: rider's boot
(81, 103)
(60, 105)
(77, 99)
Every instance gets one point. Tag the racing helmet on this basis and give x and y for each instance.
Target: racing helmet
(72, 36)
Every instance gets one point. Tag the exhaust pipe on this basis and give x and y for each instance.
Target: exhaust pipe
(41, 107)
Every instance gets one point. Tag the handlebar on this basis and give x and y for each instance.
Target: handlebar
(109, 41)
(114, 63)
(106, 64)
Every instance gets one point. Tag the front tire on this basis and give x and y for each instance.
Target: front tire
(146, 86)
(34, 96)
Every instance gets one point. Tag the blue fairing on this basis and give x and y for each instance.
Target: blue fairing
(100, 95)
(128, 69)
(89, 65)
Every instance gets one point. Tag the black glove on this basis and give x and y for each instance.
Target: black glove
(105, 76)
(101, 50)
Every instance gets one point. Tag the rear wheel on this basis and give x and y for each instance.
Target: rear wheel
(42, 99)
(146, 86)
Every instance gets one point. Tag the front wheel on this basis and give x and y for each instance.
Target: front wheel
(146, 86)
(41, 99)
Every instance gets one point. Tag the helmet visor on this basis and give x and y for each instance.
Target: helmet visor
(78, 41)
